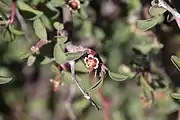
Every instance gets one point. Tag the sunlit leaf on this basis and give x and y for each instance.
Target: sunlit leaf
(117, 76)
(74, 55)
(40, 30)
(146, 24)
(96, 86)
(61, 39)
(47, 60)
(25, 7)
(176, 61)
(58, 26)
(160, 19)
(155, 10)
(31, 60)
(175, 95)
(4, 80)
(15, 31)
(59, 55)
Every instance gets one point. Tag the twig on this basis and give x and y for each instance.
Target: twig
(174, 12)
(74, 78)
(163, 4)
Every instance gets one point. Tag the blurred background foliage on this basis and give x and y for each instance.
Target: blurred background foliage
(109, 28)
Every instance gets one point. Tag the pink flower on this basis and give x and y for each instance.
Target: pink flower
(91, 62)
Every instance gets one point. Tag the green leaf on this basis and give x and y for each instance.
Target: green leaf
(25, 7)
(83, 13)
(58, 26)
(96, 86)
(117, 76)
(31, 60)
(40, 30)
(46, 22)
(80, 105)
(146, 24)
(57, 3)
(66, 77)
(54, 69)
(176, 61)
(4, 80)
(47, 60)
(74, 55)
(155, 10)
(61, 39)
(59, 55)
(25, 55)
(175, 95)
(14, 31)
(80, 66)
(52, 8)
(145, 84)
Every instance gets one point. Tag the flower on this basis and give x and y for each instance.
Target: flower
(74, 5)
(91, 62)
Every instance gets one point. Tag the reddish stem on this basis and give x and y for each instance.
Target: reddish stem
(40, 43)
(13, 11)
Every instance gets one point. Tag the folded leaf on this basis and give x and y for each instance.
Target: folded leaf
(96, 86)
(176, 61)
(4, 80)
(117, 76)
(59, 55)
(175, 95)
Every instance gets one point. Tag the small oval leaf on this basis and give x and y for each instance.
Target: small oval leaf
(58, 26)
(31, 60)
(59, 55)
(176, 61)
(155, 10)
(4, 80)
(146, 24)
(175, 95)
(40, 30)
(74, 55)
(96, 86)
(117, 76)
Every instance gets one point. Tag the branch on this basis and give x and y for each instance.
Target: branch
(174, 12)
(74, 78)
